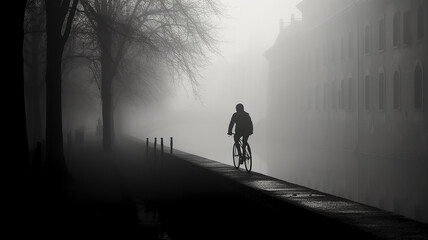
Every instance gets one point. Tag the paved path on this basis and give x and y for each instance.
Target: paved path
(127, 194)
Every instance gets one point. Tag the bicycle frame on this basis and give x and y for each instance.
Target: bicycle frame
(246, 155)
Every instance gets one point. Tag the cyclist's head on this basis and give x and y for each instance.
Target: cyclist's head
(239, 107)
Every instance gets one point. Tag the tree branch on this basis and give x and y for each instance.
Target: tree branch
(69, 20)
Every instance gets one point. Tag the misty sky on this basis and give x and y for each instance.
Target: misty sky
(239, 75)
(252, 23)
(248, 30)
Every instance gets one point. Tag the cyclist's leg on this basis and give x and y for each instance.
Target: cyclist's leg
(237, 136)
(244, 142)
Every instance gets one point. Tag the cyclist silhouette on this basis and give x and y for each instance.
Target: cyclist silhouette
(243, 127)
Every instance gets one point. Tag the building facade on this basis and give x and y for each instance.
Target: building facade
(355, 76)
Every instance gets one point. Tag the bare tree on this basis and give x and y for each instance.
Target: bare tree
(34, 58)
(59, 18)
(16, 188)
(140, 80)
(16, 143)
(179, 33)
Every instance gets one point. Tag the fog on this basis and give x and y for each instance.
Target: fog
(336, 93)
(239, 74)
(329, 151)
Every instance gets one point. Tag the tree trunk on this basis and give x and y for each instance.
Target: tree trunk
(107, 76)
(18, 140)
(38, 126)
(54, 139)
(35, 122)
(55, 162)
(15, 150)
(106, 95)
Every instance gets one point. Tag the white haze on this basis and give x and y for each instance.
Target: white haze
(239, 75)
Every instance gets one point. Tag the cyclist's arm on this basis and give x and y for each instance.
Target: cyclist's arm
(251, 126)
(232, 122)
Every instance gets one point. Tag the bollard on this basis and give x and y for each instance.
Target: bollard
(147, 148)
(161, 148)
(170, 145)
(154, 147)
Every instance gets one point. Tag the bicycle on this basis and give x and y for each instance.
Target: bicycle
(248, 159)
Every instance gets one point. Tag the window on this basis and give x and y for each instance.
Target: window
(406, 28)
(342, 95)
(325, 97)
(332, 98)
(350, 94)
(382, 34)
(342, 49)
(317, 53)
(420, 23)
(333, 51)
(317, 98)
(396, 101)
(367, 38)
(335, 94)
(350, 43)
(395, 28)
(309, 98)
(418, 88)
(303, 99)
(367, 93)
(381, 91)
(324, 58)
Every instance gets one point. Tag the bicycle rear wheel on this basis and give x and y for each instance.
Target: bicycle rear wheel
(248, 159)
(235, 157)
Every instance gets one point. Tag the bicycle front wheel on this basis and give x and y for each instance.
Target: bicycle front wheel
(248, 159)
(235, 157)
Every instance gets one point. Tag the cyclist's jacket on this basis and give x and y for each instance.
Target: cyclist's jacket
(243, 122)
